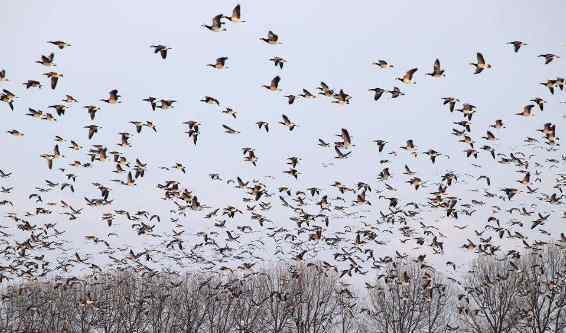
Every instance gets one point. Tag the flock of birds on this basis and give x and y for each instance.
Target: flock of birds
(331, 227)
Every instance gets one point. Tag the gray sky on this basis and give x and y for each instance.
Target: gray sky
(325, 41)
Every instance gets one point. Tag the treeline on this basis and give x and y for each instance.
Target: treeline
(497, 295)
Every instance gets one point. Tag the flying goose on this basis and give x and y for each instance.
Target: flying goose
(378, 92)
(290, 99)
(54, 76)
(341, 97)
(220, 63)
(236, 16)
(272, 38)
(527, 111)
(216, 24)
(69, 99)
(47, 60)
(408, 77)
(92, 110)
(278, 61)
(287, 122)
(263, 124)
(437, 71)
(60, 44)
(383, 64)
(230, 130)
(548, 57)
(517, 45)
(274, 85)
(113, 97)
(3, 76)
(161, 49)
(396, 92)
(481, 64)
(151, 100)
(451, 101)
(539, 102)
(210, 100)
(92, 129)
(8, 97)
(15, 133)
(550, 84)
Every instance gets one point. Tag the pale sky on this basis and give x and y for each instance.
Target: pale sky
(329, 41)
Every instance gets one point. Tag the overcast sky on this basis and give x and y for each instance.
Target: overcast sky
(329, 41)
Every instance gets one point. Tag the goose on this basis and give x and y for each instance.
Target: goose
(325, 90)
(548, 57)
(166, 104)
(451, 101)
(15, 133)
(380, 144)
(498, 124)
(272, 38)
(161, 49)
(396, 92)
(210, 100)
(346, 139)
(231, 112)
(287, 122)
(481, 64)
(32, 84)
(220, 63)
(236, 16)
(152, 101)
(378, 92)
(69, 99)
(263, 124)
(8, 97)
(408, 77)
(3, 76)
(489, 136)
(49, 158)
(290, 99)
(307, 94)
(539, 102)
(416, 182)
(437, 71)
(278, 61)
(34, 113)
(230, 130)
(216, 24)
(517, 45)
(510, 192)
(59, 108)
(550, 84)
(47, 60)
(60, 44)
(113, 97)
(383, 64)
(527, 111)
(342, 98)
(92, 129)
(92, 110)
(274, 85)
(54, 76)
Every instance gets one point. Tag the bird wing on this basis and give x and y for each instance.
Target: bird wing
(409, 74)
(437, 65)
(480, 57)
(346, 136)
(236, 11)
(275, 82)
(216, 20)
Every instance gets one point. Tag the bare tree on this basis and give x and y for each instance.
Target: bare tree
(491, 298)
(544, 290)
(313, 297)
(410, 298)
